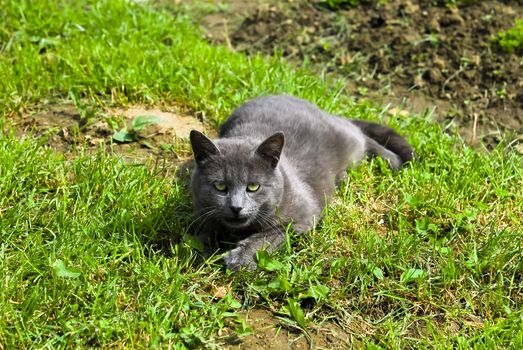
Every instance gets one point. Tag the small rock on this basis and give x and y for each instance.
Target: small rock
(433, 24)
(470, 74)
(476, 60)
(434, 75)
(418, 81)
(439, 62)
(452, 18)
(409, 7)
(219, 292)
(401, 112)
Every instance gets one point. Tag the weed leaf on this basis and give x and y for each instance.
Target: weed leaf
(62, 271)
(319, 292)
(412, 275)
(376, 271)
(266, 262)
(123, 136)
(147, 144)
(233, 303)
(296, 312)
(243, 329)
(193, 242)
(280, 283)
(143, 121)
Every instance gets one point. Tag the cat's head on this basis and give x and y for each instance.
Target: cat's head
(237, 181)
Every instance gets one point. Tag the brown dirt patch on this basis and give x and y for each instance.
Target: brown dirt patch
(414, 53)
(170, 124)
(271, 333)
(65, 130)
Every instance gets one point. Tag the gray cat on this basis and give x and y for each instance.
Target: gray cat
(277, 161)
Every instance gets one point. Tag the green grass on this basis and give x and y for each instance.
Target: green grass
(116, 53)
(94, 251)
(337, 4)
(512, 38)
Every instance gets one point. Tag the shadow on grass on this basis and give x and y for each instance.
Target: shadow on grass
(164, 230)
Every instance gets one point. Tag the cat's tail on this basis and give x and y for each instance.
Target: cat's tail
(388, 138)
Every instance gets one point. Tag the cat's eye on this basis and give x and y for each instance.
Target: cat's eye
(253, 187)
(220, 186)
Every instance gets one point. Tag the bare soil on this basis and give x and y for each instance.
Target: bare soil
(271, 333)
(66, 130)
(413, 54)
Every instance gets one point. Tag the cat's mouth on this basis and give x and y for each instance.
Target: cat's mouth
(236, 221)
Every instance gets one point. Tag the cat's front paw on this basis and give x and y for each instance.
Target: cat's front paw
(240, 258)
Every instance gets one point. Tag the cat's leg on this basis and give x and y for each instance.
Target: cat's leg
(244, 255)
(387, 137)
(373, 149)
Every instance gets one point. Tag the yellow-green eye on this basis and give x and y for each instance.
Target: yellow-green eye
(220, 186)
(253, 187)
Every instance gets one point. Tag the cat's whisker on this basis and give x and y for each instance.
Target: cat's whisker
(268, 220)
(203, 215)
(201, 223)
(202, 218)
(205, 209)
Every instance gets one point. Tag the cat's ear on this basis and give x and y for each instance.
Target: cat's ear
(271, 148)
(202, 146)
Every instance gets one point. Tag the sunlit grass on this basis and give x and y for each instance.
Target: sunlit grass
(94, 251)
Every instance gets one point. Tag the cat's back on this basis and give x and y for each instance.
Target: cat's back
(308, 130)
(263, 116)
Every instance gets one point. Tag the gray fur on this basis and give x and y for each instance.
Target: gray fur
(296, 152)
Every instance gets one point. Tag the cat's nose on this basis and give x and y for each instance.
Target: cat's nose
(236, 210)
